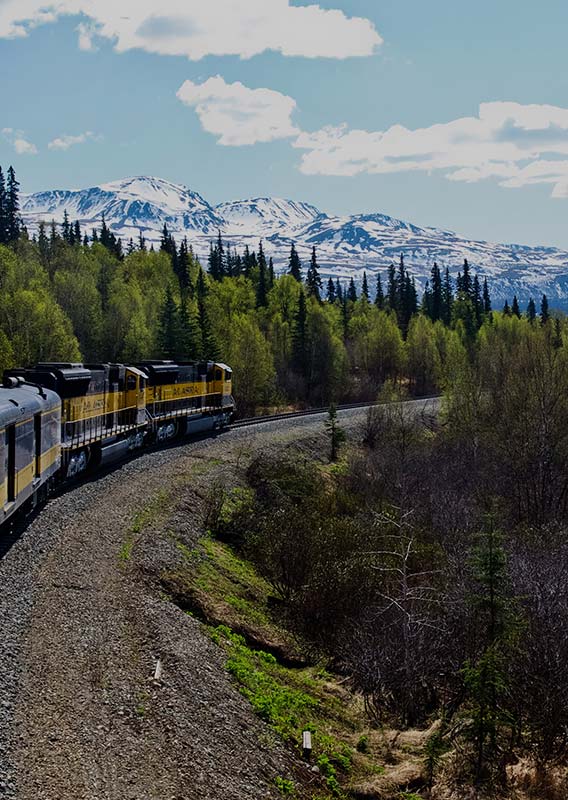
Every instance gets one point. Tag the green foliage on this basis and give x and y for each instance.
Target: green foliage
(285, 786)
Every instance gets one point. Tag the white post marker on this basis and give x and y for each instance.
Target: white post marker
(307, 744)
(158, 672)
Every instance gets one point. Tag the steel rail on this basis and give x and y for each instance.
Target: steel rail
(248, 421)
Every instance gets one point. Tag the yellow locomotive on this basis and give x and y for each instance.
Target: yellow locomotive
(59, 419)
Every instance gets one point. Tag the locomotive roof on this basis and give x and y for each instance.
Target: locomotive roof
(22, 401)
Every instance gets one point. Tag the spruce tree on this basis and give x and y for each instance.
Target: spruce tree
(338, 290)
(43, 244)
(313, 280)
(496, 626)
(141, 242)
(261, 286)
(447, 298)
(379, 294)
(427, 301)
(515, 310)
(531, 311)
(437, 293)
(13, 222)
(477, 301)
(66, 228)
(365, 287)
(77, 232)
(352, 292)
(507, 309)
(271, 275)
(3, 210)
(169, 333)
(190, 344)
(300, 337)
(247, 262)
(544, 313)
(294, 264)
(392, 292)
(331, 293)
(486, 298)
(466, 282)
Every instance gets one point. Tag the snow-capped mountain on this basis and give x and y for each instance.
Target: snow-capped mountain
(345, 245)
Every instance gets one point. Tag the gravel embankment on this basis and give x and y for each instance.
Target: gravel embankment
(82, 624)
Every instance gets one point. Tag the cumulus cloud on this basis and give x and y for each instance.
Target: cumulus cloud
(66, 141)
(18, 141)
(239, 115)
(516, 144)
(196, 29)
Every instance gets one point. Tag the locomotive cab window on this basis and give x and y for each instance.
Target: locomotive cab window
(130, 383)
(218, 375)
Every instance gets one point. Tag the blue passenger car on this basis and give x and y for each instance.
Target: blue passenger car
(30, 444)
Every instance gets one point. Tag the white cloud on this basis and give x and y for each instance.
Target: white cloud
(516, 144)
(66, 141)
(196, 29)
(239, 115)
(19, 142)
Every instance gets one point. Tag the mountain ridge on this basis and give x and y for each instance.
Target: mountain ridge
(346, 245)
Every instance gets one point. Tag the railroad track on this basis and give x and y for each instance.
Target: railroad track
(244, 423)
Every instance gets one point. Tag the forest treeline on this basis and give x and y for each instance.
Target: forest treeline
(72, 294)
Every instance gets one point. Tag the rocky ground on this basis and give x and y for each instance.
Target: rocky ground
(83, 624)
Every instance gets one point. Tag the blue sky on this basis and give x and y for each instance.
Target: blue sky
(394, 125)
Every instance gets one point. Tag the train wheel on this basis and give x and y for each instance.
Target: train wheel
(78, 463)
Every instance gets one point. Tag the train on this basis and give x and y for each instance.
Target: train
(59, 420)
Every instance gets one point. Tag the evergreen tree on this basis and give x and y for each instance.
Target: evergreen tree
(507, 309)
(436, 306)
(65, 227)
(392, 292)
(190, 343)
(141, 242)
(334, 431)
(466, 282)
(331, 293)
(247, 262)
(515, 310)
(3, 210)
(182, 267)
(261, 286)
(379, 294)
(169, 333)
(294, 264)
(477, 301)
(486, 675)
(352, 292)
(43, 244)
(130, 247)
(486, 298)
(300, 337)
(313, 280)
(427, 301)
(13, 222)
(271, 275)
(544, 313)
(531, 310)
(447, 298)
(338, 290)
(365, 287)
